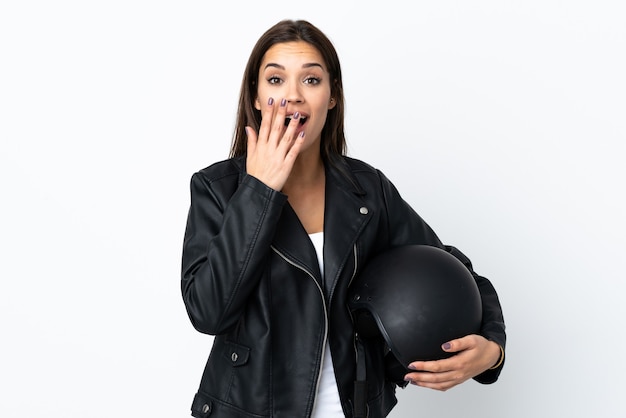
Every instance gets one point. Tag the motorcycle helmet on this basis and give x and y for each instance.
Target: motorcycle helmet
(416, 297)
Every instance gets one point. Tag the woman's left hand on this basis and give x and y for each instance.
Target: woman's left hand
(474, 355)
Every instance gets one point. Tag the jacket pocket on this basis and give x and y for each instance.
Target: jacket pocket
(204, 406)
(235, 354)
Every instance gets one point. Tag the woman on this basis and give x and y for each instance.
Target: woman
(274, 236)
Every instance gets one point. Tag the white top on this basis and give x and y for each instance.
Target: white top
(327, 403)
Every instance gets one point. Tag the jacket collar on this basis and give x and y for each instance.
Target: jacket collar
(345, 216)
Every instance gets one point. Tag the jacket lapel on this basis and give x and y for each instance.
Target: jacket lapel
(345, 217)
(292, 240)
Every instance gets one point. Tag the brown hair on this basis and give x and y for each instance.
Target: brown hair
(333, 141)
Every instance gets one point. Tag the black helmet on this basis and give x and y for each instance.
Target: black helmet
(416, 297)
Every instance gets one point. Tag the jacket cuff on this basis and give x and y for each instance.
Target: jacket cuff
(491, 375)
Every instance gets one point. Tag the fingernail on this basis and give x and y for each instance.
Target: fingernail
(296, 115)
(412, 367)
(447, 346)
(283, 102)
(270, 101)
(301, 134)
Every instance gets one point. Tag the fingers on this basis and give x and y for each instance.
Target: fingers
(266, 113)
(472, 355)
(273, 151)
(272, 128)
(438, 375)
(438, 381)
(433, 366)
(294, 147)
(457, 345)
(273, 120)
(278, 122)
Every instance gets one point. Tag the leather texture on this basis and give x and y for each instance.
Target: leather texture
(250, 277)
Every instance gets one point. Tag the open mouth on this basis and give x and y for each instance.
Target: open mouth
(301, 121)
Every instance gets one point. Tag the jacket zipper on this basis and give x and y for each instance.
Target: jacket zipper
(356, 259)
(319, 374)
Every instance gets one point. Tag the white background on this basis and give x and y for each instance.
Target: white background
(502, 122)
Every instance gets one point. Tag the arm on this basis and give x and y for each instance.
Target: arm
(479, 352)
(226, 243)
(480, 357)
(227, 240)
(493, 328)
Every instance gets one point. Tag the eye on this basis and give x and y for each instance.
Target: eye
(314, 81)
(274, 80)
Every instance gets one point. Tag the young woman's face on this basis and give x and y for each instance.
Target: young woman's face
(296, 71)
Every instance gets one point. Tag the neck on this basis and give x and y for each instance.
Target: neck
(305, 189)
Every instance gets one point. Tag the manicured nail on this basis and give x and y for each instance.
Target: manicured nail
(283, 103)
(301, 134)
(296, 115)
(447, 346)
(270, 101)
(412, 367)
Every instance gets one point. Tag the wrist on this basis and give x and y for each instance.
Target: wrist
(500, 360)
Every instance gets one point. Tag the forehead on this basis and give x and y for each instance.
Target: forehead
(292, 54)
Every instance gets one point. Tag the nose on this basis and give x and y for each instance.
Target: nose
(293, 93)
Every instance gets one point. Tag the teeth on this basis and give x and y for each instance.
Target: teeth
(300, 121)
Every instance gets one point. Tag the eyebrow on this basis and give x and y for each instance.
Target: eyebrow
(281, 67)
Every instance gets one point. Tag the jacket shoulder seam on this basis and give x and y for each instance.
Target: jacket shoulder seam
(218, 171)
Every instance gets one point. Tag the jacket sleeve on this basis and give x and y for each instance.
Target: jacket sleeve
(492, 327)
(407, 227)
(227, 239)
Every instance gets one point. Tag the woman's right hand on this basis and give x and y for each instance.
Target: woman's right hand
(273, 151)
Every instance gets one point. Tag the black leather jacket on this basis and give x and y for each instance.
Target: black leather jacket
(250, 277)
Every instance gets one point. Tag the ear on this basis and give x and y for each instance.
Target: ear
(332, 103)
(257, 104)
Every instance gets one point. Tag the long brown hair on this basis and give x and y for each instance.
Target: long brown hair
(333, 141)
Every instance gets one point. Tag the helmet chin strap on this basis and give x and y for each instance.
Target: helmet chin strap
(360, 384)
(394, 371)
